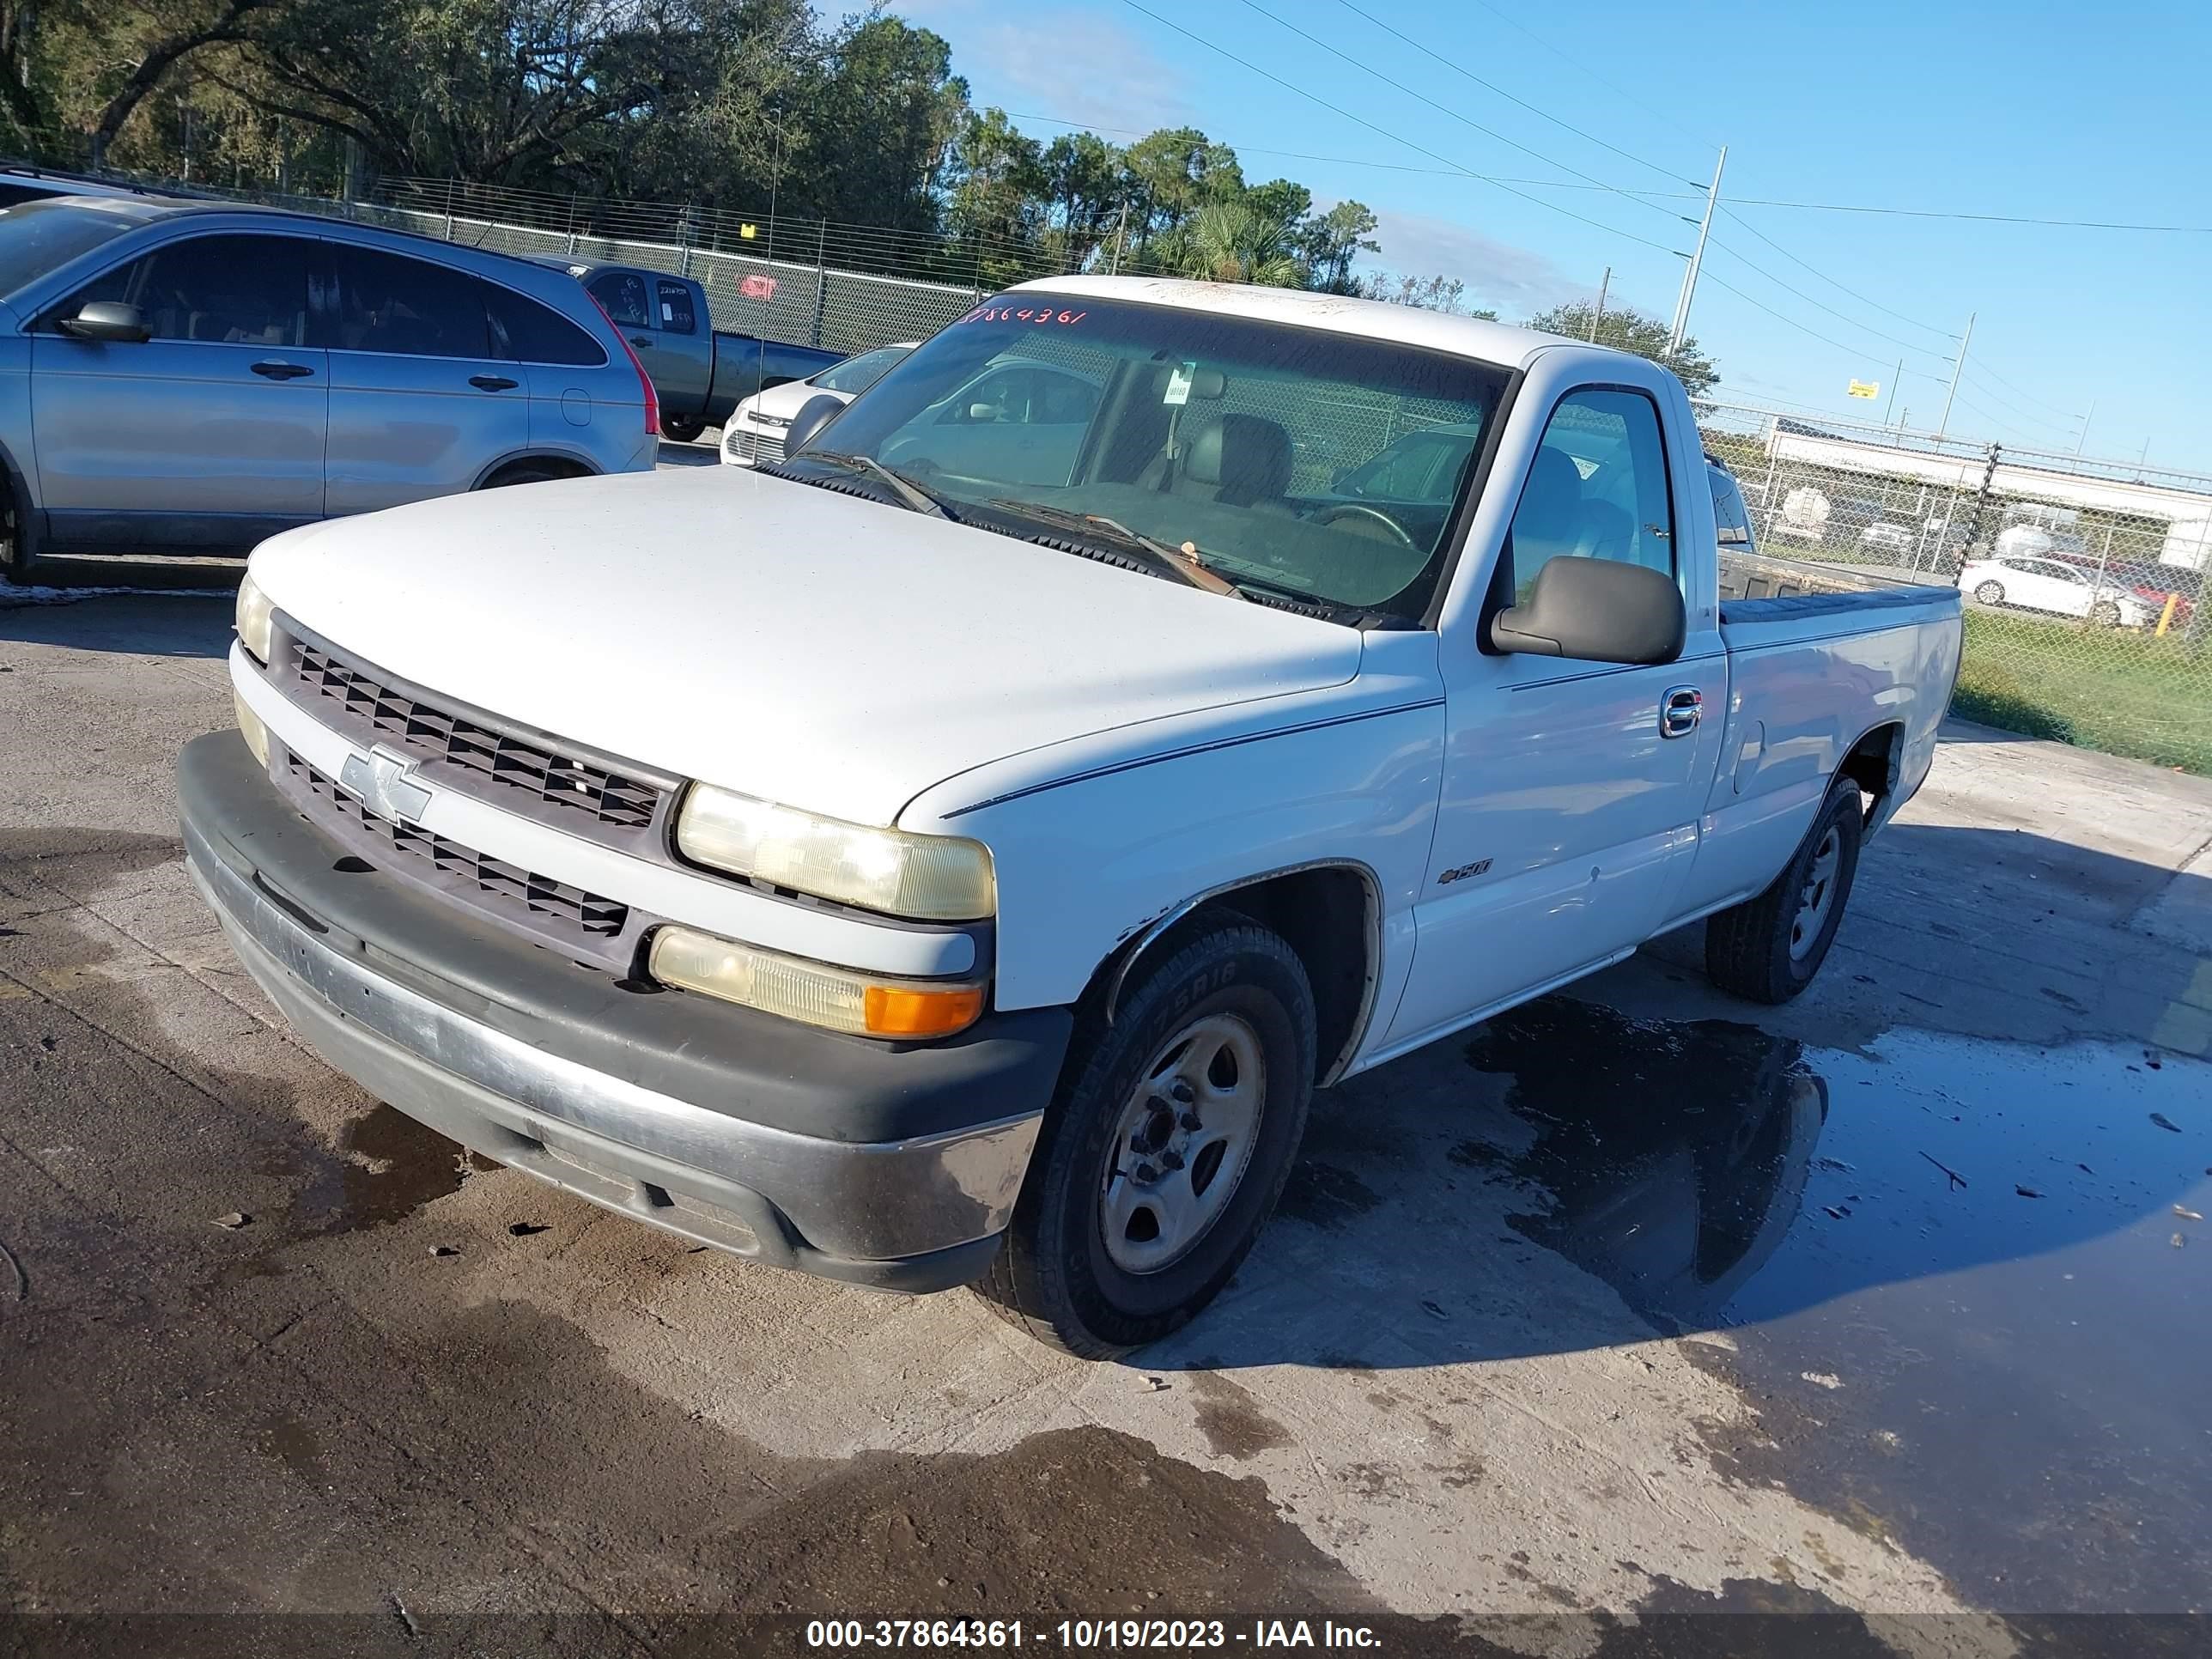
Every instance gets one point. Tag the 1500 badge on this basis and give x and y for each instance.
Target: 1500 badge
(1462, 872)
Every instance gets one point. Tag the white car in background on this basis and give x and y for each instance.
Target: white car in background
(2032, 584)
(755, 429)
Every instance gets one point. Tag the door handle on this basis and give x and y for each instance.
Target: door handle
(640, 339)
(277, 371)
(1680, 710)
(491, 383)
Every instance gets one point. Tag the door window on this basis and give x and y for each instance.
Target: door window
(676, 315)
(1597, 488)
(386, 303)
(221, 290)
(622, 293)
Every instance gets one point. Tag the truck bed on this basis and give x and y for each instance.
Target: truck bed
(1756, 587)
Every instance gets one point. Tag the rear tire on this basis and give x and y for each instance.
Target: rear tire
(682, 429)
(1768, 949)
(2105, 614)
(1990, 594)
(1125, 1230)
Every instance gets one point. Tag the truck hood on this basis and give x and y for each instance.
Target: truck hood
(792, 642)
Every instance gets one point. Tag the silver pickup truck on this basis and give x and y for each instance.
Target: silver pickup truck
(700, 371)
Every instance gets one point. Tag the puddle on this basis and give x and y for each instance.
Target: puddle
(1968, 1292)
(1713, 1173)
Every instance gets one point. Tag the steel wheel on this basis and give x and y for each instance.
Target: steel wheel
(1814, 898)
(1180, 1147)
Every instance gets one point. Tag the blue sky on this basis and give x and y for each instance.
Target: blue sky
(2028, 109)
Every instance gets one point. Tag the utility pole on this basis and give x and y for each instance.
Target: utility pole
(1598, 316)
(1957, 363)
(2082, 436)
(1892, 403)
(1690, 277)
(1120, 235)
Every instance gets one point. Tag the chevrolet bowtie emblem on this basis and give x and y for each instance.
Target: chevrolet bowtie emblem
(384, 782)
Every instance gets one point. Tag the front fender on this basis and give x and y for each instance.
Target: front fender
(1088, 859)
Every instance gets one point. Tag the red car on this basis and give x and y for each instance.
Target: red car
(2150, 582)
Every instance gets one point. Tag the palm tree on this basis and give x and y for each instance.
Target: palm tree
(1235, 242)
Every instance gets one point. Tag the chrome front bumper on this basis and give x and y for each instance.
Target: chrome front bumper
(916, 1214)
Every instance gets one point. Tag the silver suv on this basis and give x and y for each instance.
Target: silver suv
(190, 377)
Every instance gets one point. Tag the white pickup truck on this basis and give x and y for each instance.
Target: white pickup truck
(961, 858)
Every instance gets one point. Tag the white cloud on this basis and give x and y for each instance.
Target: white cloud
(1059, 61)
(1518, 282)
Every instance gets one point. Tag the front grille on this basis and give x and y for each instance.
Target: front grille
(755, 447)
(385, 713)
(544, 905)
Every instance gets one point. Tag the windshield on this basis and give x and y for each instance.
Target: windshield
(856, 374)
(37, 237)
(1253, 442)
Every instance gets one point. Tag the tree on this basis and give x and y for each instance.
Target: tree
(1233, 242)
(1629, 330)
(1168, 174)
(1330, 241)
(997, 182)
(1083, 187)
(147, 45)
(1430, 293)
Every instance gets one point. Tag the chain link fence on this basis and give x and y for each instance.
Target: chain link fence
(2086, 613)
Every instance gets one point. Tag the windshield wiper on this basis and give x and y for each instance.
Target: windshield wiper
(914, 495)
(1183, 561)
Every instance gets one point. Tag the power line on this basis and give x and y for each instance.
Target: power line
(1978, 218)
(1785, 317)
(1611, 86)
(1885, 311)
(1985, 369)
(1492, 87)
(1359, 120)
(1445, 110)
(1820, 305)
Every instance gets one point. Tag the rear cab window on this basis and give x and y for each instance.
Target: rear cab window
(622, 295)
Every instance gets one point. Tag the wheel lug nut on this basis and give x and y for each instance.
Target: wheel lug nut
(1190, 1123)
(1182, 1092)
(1172, 1158)
(1146, 1172)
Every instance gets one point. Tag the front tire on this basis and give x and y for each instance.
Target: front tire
(1768, 949)
(1990, 594)
(2105, 614)
(682, 429)
(1165, 1151)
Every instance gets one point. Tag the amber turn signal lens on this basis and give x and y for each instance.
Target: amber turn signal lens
(899, 1011)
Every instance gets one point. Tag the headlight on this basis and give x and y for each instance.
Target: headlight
(835, 997)
(925, 877)
(250, 728)
(254, 615)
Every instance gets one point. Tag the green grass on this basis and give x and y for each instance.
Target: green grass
(2122, 692)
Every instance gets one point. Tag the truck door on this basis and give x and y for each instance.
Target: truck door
(1572, 790)
(656, 315)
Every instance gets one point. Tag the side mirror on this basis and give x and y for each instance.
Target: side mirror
(814, 414)
(1596, 610)
(108, 319)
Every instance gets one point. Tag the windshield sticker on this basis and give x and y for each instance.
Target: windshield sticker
(1025, 315)
(1179, 384)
